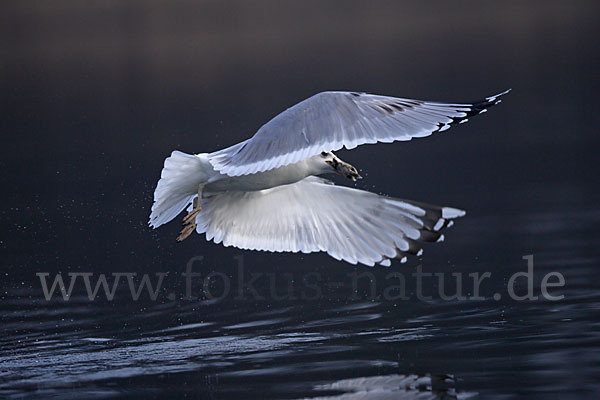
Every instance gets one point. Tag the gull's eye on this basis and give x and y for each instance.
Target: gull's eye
(323, 154)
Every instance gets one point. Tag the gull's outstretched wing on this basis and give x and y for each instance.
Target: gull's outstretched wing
(315, 215)
(329, 121)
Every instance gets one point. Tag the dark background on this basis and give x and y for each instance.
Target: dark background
(94, 96)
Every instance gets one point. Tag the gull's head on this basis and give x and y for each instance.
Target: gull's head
(339, 166)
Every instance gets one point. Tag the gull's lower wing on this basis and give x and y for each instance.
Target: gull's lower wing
(329, 121)
(315, 215)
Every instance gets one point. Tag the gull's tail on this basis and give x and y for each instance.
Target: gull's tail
(178, 185)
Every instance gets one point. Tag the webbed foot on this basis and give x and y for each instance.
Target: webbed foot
(186, 232)
(189, 221)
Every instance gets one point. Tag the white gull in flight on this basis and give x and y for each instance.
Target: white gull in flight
(264, 193)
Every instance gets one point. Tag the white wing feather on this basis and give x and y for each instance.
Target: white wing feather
(315, 215)
(329, 121)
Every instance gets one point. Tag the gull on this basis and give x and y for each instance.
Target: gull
(266, 192)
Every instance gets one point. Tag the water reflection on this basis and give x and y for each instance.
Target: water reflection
(336, 348)
(393, 387)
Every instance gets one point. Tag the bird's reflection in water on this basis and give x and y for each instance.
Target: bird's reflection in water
(409, 387)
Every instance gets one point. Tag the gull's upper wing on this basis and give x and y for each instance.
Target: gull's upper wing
(315, 215)
(329, 121)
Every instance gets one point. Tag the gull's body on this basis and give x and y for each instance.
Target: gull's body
(284, 175)
(264, 193)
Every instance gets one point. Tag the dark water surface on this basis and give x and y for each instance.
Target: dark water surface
(339, 344)
(95, 97)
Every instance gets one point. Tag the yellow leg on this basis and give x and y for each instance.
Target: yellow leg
(190, 220)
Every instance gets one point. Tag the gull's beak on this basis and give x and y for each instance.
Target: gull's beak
(344, 169)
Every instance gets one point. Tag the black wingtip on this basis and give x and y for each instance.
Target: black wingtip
(495, 98)
(481, 106)
(473, 109)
